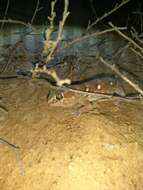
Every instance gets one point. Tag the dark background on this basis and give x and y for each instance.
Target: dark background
(82, 11)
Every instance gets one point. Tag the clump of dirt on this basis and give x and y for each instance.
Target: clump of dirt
(53, 148)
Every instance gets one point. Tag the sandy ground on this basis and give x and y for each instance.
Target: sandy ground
(59, 150)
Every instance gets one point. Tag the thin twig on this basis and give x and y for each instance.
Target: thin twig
(50, 46)
(16, 149)
(126, 37)
(6, 10)
(109, 13)
(52, 73)
(93, 8)
(48, 43)
(5, 110)
(114, 68)
(9, 144)
(12, 54)
(137, 53)
(35, 11)
(60, 31)
(93, 95)
(14, 22)
(51, 19)
(82, 38)
(135, 35)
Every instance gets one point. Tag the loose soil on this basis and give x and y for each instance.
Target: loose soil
(53, 148)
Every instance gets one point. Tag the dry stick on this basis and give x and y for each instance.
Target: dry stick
(109, 13)
(140, 17)
(113, 68)
(126, 37)
(94, 96)
(35, 12)
(2, 108)
(16, 148)
(52, 45)
(67, 81)
(135, 35)
(12, 53)
(13, 21)
(59, 82)
(48, 43)
(79, 39)
(52, 73)
(61, 26)
(93, 8)
(137, 53)
(9, 144)
(51, 18)
(6, 10)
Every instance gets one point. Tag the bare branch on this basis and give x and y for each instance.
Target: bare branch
(137, 53)
(85, 37)
(14, 22)
(9, 144)
(6, 10)
(109, 13)
(126, 37)
(50, 45)
(54, 44)
(35, 12)
(51, 19)
(52, 73)
(114, 68)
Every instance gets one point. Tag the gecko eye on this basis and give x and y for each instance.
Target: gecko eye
(98, 87)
